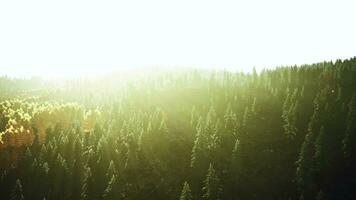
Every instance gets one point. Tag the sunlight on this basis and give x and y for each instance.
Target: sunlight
(177, 99)
(71, 38)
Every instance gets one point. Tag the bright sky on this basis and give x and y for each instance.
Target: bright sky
(73, 37)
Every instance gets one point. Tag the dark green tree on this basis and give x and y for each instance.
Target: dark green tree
(16, 193)
(85, 184)
(186, 193)
(349, 140)
(111, 191)
(321, 154)
(211, 188)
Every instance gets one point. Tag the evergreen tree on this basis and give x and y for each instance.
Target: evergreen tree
(305, 162)
(16, 193)
(111, 170)
(236, 150)
(85, 184)
(186, 193)
(320, 150)
(212, 188)
(111, 191)
(197, 145)
(349, 141)
(289, 116)
(148, 129)
(245, 120)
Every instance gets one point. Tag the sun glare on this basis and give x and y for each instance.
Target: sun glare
(72, 38)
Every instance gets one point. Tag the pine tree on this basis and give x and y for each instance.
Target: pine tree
(43, 153)
(236, 151)
(194, 154)
(186, 193)
(111, 170)
(16, 193)
(197, 145)
(211, 116)
(111, 189)
(349, 141)
(163, 129)
(290, 106)
(229, 120)
(245, 120)
(212, 188)
(85, 184)
(194, 116)
(235, 167)
(305, 163)
(320, 150)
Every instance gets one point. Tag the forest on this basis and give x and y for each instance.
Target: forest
(276, 134)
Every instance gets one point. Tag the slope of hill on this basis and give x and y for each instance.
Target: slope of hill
(286, 133)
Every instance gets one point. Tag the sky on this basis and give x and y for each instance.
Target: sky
(73, 37)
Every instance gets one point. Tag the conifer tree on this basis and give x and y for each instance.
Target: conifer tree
(236, 151)
(193, 157)
(320, 150)
(289, 117)
(305, 163)
(229, 119)
(85, 184)
(111, 170)
(245, 120)
(239, 122)
(111, 190)
(349, 141)
(197, 144)
(186, 193)
(211, 188)
(16, 193)
(235, 166)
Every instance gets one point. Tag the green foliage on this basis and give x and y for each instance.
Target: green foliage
(286, 133)
(321, 154)
(186, 193)
(212, 188)
(85, 184)
(111, 189)
(349, 141)
(16, 193)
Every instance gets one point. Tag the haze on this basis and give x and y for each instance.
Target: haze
(70, 38)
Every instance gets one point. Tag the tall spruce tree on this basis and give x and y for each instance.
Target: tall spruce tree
(349, 140)
(321, 154)
(16, 193)
(211, 187)
(186, 193)
(85, 184)
(111, 191)
(305, 163)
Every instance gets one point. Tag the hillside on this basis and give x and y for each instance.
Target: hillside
(286, 133)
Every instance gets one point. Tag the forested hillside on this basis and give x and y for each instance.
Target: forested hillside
(284, 133)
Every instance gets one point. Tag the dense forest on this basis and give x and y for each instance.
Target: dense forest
(283, 133)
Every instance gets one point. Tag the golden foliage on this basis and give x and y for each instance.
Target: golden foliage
(22, 119)
(18, 131)
(90, 119)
